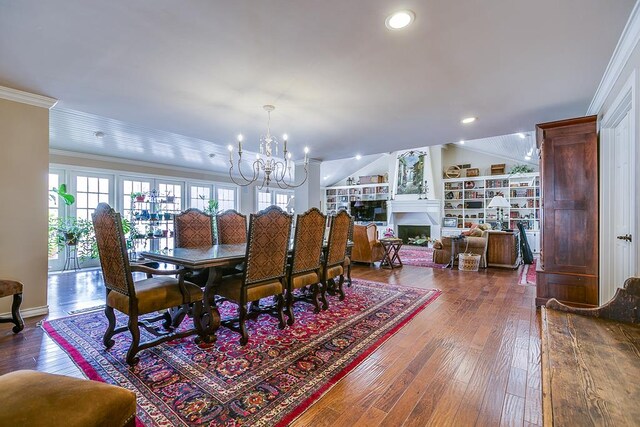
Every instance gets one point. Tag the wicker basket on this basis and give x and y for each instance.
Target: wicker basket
(468, 262)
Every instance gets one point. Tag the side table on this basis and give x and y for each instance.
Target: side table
(456, 241)
(391, 258)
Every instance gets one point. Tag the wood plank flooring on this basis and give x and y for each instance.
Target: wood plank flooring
(472, 357)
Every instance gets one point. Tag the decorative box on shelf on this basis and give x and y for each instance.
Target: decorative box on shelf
(371, 179)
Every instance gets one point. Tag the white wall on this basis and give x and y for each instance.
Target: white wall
(632, 65)
(455, 154)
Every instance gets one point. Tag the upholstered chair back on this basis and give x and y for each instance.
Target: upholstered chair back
(232, 227)
(308, 241)
(193, 229)
(112, 250)
(338, 234)
(268, 245)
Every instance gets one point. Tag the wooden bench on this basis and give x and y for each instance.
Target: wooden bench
(591, 362)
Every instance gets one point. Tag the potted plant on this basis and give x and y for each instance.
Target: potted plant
(61, 192)
(212, 205)
(138, 196)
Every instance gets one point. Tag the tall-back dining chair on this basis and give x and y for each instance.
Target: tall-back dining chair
(304, 269)
(142, 297)
(193, 229)
(264, 275)
(232, 227)
(333, 265)
(347, 258)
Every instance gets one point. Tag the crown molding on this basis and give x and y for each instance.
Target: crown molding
(626, 44)
(27, 98)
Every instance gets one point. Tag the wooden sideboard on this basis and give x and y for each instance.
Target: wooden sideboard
(568, 269)
(503, 249)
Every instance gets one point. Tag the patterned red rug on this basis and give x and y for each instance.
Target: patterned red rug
(418, 256)
(528, 274)
(270, 381)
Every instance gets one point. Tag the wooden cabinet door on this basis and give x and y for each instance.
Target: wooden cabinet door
(570, 195)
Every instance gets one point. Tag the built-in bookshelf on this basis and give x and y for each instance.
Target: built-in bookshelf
(466, 202)
(336, 198)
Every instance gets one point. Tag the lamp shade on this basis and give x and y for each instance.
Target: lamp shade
(499, 202)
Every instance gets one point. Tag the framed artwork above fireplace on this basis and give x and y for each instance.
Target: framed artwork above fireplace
(410, 172)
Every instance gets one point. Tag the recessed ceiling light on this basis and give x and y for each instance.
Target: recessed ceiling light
(462, 142)
(400, 19)
(522, 135)
(527, 157)
(326, 177)
(468, 120)
(358, 156)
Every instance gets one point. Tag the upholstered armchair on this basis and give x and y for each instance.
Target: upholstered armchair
(264, 275)
(473, 244)
(134, 299)
(366, 247)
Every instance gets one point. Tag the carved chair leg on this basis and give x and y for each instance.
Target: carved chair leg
(109, 333)
(244, 339)
(280, 309)
(132, 359)
(316, 298)
(15, 313)
(340, 288)
(323, 296)
(290, 314)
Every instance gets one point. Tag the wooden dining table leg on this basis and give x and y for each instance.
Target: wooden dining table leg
(210, 318)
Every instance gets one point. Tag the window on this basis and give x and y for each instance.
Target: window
(282, 200)
(264, 200)
(199, 196)
(279, 198)
(90, 190)
(129, 187)
(226, 198)
(169, 197)
(54, 200)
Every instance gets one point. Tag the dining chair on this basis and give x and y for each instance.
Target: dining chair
(194, 229)
(333, 264)
(142, 297)
(347, 258)
(232, 227)
(303, 272)
(264, 275)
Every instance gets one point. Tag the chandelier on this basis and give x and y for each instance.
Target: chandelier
(268, 166)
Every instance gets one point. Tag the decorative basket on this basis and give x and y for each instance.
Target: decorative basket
(468, 262)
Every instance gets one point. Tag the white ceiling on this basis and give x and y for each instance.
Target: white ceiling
(342, 83)
(514, 147)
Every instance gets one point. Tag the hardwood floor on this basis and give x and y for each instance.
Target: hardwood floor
(472, 357)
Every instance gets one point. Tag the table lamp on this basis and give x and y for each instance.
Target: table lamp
(499, 203)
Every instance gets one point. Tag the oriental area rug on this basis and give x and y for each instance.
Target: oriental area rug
(528, 274)
(270, 381)
(418, 256)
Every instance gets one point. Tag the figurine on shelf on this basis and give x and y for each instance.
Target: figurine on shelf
(350, 181)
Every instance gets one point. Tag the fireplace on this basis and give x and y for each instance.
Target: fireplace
(414, 234)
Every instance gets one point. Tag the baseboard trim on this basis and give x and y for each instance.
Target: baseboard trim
(30, 312)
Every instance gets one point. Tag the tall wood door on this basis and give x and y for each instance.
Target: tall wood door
(569, 151)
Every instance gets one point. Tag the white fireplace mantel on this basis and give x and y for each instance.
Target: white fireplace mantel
(415, 212)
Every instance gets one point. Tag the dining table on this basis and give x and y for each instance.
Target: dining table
(216, 258)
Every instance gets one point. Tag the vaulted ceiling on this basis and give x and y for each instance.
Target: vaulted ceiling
(341, 81)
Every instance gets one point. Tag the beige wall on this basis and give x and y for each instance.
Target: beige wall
(24, 165)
